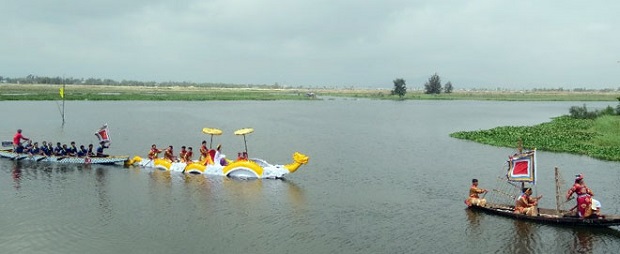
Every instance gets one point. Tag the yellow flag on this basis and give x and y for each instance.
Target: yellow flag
(62, 92)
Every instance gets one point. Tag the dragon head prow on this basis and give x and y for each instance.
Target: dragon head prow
(300, 158)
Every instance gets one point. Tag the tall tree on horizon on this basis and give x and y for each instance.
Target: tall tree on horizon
(400, 88)
(433, 86)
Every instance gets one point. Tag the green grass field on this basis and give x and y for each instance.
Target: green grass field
(185, 93)
(101, 92)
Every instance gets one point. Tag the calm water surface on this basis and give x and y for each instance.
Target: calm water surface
(383, 177)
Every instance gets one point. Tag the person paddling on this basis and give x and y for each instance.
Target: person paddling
(474, 198)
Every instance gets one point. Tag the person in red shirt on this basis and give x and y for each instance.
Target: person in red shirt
(17, 140)
(188, 155)
(182, 154)
(169, 154)
(204, 151)
(154, 152)
(584, 197)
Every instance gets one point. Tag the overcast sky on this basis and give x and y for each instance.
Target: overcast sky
(336, 43)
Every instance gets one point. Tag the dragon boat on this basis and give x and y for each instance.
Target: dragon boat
(522, 169)
(242, 167)
(9, 154)
(102, 134)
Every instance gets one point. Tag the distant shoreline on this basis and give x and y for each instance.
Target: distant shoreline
(124, 92)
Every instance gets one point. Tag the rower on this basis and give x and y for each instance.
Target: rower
(526, 204)
(474, 198)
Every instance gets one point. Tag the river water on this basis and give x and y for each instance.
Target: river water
(383, 177)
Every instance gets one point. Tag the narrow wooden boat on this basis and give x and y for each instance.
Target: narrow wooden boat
(521, 169)
(550, 216)
(9, 154)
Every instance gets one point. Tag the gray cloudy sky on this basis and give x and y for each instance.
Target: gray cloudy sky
(334, 43)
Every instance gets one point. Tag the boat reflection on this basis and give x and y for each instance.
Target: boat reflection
(17, 174)
(582, 242)
(101, 185)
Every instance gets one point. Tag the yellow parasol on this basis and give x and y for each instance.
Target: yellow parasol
(211, 131)
(244, 132)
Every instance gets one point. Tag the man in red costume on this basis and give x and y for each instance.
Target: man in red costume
(584, 197)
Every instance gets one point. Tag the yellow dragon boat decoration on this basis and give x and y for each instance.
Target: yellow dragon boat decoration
(242, 167)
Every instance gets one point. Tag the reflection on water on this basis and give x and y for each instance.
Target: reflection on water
(583, 242)
(17, 174)
(519, 236)
(102, 194)
(524, 239)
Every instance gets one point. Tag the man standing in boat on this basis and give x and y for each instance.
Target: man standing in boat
(17, 140)
(474, 198)
(584, 198)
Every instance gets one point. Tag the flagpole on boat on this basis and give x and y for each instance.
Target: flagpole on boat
(62, 95)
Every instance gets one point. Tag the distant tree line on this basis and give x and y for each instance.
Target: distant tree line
(432, 86)
(32, 79)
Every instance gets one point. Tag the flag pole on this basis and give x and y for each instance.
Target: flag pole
(62, 95)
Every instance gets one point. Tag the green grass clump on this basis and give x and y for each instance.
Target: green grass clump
(598, 138)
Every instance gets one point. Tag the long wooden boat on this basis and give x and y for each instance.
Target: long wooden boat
(521, 169)
(110, 160)
(550, 216)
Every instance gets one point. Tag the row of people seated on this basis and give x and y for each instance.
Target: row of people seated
(47, 149)
(207, 156)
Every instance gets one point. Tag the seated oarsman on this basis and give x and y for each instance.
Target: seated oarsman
(58, 151)
(28, 146)
(154, 152)
(50, 148)
(35, 150)
(65, 150)
(72, 150)
(187, 158)
(182, 154)
(90, 151)
(82, 152)
(526, 204)
(44, 149)
(204, 151)
(474, 195)
(169, 154)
